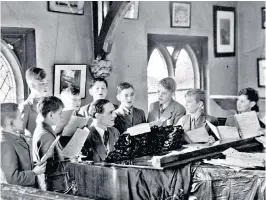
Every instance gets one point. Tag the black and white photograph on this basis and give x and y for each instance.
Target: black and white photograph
(224, 21)
(72, 7)
(70, 76)
(180, 14)
(132, 100)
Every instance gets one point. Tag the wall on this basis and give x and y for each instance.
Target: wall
(129, 52)
(251, 46)
(60, 38)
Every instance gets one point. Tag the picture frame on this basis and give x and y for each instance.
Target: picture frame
(261, 69)
(180, 14)
(224, 22)
(133, 12)
(69, 7)
(70, 76)
(263, 23)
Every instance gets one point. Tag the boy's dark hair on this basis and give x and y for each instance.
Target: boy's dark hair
(122, 86)
(197, 93)
(98, 80)
(252, 95)
(8, 110)
(35, 73)
(73, 90)
(168, 83)
(49, 104)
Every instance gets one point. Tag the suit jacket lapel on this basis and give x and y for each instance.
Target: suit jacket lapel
(156, 111)
(168, 112)
(97, 143)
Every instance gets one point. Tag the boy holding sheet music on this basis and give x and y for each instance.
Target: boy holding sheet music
(49, 109)
(127, 114)
(16, 164)
(37, 82)
(196, 118)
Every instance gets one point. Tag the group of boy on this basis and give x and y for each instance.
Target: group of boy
(109, 121)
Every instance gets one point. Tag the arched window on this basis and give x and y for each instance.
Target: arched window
(11, 82)
(7, 82)
(157, 70)
(183, 69)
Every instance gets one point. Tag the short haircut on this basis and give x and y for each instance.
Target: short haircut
(123, 86)
(35, 73)
(197, 93)
(71, 90)
(252, 95)
(8, 111)
(168, 83)
(98, 80)
(49, 104)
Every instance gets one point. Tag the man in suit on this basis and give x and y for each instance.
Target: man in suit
(127, 114)
(103, 135)
(166, 108)
(196, 117)
(16, 164)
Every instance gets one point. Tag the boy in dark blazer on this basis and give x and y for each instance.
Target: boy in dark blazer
(16, 163)
(127, 114)
(50, 110)
(165, 108)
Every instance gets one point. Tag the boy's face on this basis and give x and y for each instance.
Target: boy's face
(164, 95)
(56, 116)
(108, 116)
(40, 86)
(244, 104)
(71, 101)
(98, 90)
(191, 104)
(18, 123)
(126, 97)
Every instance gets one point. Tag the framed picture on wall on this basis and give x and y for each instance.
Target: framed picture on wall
(71, 7)
(133, 12)
(263, 18)
(180, 14)
(261, 65)
(224, 21)
(67, 76)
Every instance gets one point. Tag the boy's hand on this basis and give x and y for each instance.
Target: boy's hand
(211, 140)
(156, 123)
(40, 169)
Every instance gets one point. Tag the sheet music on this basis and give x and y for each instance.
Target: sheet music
(228, 133)
(74, 123)
(65, 117)
(214, 129)
(49, 152)
(248, 124)
(139, 129)
(76, 143)
(197, 135)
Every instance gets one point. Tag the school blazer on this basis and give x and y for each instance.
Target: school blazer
(173, 112)
(95, 144)
(185, 121)
(29, 110)
(16, 163)
(42, 139)
(122, 123)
